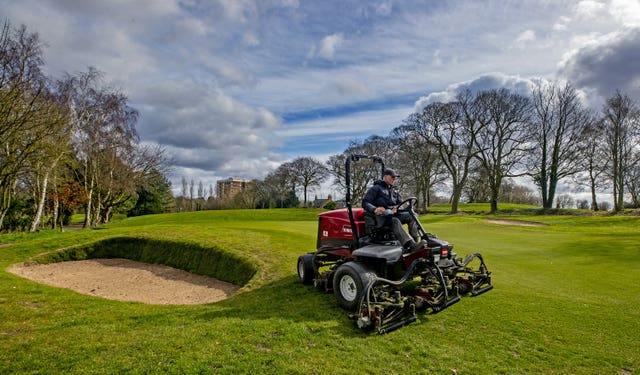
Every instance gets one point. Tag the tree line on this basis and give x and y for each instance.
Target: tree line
(68, 144)
(476, 145)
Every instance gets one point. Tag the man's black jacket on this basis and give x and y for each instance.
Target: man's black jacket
(380, 194)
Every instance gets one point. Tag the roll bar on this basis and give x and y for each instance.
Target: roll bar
(347, 168)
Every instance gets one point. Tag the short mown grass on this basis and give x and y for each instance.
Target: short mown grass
(565, 301)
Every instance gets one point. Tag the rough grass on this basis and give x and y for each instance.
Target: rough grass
(565, 302)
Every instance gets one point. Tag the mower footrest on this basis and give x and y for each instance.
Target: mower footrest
(482, 290)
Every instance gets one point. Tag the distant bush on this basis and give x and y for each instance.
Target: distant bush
(331, 205)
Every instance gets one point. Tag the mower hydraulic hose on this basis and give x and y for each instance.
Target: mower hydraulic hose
(365, 295)
(399, 282)
(468, 260)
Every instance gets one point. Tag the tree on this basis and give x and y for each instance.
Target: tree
(558, 124)
(420, 162)
(281, 185)
(593, 160)
(23, 108)
(53, 148)
(364, 173)
(565, 201)
(310, 172)
(185, 190)
(453, 128)
(622, 133)
(519, 194)
(154, 195)
(502, 137)
(104, 139)
(119, 142)
(477, 188)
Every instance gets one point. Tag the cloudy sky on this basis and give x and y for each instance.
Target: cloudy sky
(236, 87)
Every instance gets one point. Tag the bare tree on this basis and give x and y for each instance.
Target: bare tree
(622, 133)
(502, 138)
(53, 148)
(363, 174)
(117, 155)
(281, 185)
(421, 166)
(565, 201)
(632, 183)
(453, 128)
(23, 123)
(191, 194)
(310, 172)
(557, 127)
(593, 160)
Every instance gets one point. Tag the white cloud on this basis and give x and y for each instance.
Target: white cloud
(517, 84)
(327, 47)
(589, 9)
(627, 12)
(204, 127)
(525, 38)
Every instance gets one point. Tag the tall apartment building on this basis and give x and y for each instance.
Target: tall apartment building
(230, 187)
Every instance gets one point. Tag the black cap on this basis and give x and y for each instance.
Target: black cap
(390, 172)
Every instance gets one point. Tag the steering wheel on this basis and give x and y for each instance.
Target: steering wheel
(408, 204)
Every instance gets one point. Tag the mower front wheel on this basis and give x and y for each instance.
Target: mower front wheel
(305, 268)
(349, 283)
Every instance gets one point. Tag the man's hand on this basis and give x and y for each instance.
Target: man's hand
(381, 210)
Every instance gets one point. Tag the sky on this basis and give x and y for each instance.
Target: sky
(234, 88)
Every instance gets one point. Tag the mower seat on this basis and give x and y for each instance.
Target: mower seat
(378, 228)
(390, 254)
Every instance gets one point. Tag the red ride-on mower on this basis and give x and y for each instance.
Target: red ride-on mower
(373, 277)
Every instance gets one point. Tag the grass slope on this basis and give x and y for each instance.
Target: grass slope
(565, 301)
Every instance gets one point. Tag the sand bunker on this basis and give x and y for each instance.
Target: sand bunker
(516, 222)
(127, 280)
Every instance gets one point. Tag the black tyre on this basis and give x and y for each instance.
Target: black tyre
(305, 268)
(349, 283)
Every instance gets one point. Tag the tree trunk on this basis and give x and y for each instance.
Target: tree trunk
(5, 203)
(87, 210)
(594, 202)
(43, 195)
(54, 216)
(455, 198)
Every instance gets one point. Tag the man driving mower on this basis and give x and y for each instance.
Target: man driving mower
(382, 200)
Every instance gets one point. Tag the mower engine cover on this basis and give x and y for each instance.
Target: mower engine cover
(334, 227)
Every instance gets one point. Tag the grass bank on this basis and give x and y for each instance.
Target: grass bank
(565, 302)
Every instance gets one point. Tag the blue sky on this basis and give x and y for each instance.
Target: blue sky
(236, 87)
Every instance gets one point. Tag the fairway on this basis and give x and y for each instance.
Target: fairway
(565, 302)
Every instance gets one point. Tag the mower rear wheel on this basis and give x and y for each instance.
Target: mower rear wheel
(305, 268)
(349, 283)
